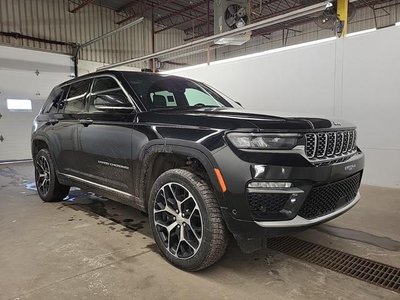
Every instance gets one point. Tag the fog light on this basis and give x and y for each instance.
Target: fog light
(270, 185)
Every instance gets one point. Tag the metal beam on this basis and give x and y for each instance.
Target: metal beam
(268, 22)
(127, 6)
(200, 18)
(342, 12)
(80, 5)
(150, 7)
(180, 12)
(112, 32)
(79, 47)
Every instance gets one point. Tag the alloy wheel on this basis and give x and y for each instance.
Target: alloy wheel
(178, 220)
(42, 175)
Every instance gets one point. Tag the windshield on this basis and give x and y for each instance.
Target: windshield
(169, 92)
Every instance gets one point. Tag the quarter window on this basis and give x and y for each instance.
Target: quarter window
(53, 100)
(75, 103)
(103, 84)
(107, 93)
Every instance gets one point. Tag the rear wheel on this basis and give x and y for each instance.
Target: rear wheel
(47, 185)
(186, 220)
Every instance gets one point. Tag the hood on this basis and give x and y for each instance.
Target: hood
(231, 119)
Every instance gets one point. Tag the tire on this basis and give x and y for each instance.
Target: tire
(47, 185)
(192, 212)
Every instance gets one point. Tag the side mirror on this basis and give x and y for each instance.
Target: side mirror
(112, 101)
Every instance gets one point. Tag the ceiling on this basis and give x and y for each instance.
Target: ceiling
(195, 17)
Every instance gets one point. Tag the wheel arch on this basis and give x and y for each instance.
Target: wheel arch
(156, 156)
(39, 143)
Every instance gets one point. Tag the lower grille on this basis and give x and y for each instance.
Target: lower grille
(262, 205)
(327, 198)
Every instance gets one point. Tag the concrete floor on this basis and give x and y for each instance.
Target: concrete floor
(93, 248)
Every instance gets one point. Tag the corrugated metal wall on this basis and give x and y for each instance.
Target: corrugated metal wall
(50, 19)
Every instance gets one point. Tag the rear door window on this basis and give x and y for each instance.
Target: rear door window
(75, 103)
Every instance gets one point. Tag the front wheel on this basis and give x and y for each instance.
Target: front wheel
(47, 185)
(186, 220)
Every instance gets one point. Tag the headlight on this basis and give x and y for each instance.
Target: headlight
(263, 141)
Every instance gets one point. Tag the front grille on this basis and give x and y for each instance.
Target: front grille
(327, 198)
(263, 205)
(330, 145)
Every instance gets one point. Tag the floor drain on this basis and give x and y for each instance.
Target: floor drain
(355, 266)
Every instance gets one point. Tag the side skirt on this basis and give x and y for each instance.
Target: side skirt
(102, 190)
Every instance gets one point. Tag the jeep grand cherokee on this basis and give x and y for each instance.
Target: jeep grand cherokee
(198, 163)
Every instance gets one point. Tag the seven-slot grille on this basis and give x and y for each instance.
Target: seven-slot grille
(332, 144)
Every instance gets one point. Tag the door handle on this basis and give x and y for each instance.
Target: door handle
(52, 122)
(86, 122)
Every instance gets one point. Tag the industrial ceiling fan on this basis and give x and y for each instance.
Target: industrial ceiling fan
(236, 16)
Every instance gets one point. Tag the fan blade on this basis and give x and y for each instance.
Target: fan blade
(232, 10)
(240, 23)
(230, 21)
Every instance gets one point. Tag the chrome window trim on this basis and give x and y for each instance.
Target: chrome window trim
(105, 91)
(76, 97)
(131, 100)
(300, 221)
(113, 108)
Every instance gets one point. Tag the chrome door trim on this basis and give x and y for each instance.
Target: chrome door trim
(96, 184)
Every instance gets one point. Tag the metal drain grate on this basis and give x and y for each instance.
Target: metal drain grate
(351, 265)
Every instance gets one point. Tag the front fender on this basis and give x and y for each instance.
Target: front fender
(175, 146)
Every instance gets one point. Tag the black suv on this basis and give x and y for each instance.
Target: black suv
(198, 163)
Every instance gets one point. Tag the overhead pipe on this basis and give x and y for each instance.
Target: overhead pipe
(106, 35)
(267, 22)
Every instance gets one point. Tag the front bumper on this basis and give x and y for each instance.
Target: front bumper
(238, 173)
(299, 221)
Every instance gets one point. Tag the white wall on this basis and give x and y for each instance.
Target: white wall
(86, 67)
(19, 80)
(356, 78)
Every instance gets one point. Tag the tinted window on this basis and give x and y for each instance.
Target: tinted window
(103, 84)
(158, 92)
(107, 93)
(162, 99)
(52, 101)
(75, 102)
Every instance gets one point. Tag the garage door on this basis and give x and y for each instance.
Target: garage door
(26, 78)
